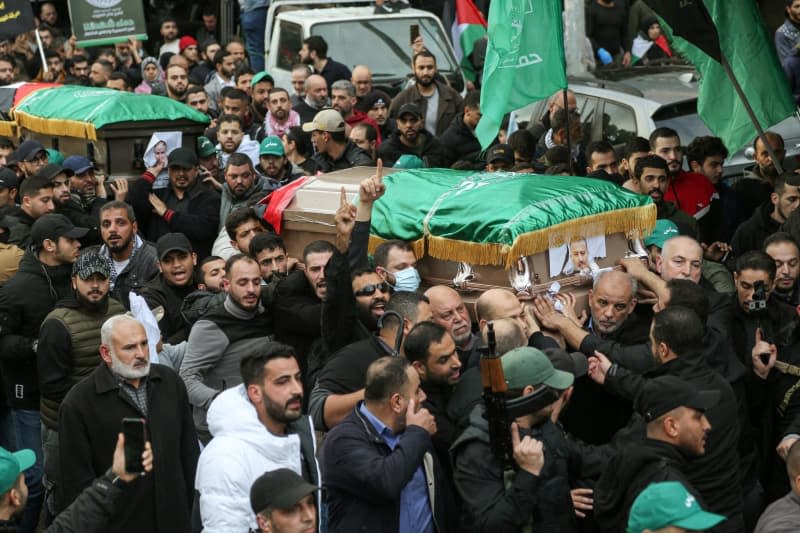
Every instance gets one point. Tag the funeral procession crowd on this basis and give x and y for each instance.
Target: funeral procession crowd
(167, 366)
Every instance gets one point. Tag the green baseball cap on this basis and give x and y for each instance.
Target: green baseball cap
(409, 161)
(261, 76)
(669, 504)
(272, 145)
(529, 366)
(664, 231)
(11, 464)
(54, 156)
(205, 148)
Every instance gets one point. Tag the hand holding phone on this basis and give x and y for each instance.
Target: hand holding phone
(135, 433)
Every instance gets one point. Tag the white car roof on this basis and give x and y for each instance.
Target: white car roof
(312, 16)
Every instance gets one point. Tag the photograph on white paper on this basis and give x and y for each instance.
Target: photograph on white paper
(579, 256)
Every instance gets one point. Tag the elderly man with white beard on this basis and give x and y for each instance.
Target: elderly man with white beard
(126, 385)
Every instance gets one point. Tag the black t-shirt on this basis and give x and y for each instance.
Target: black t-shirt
(346, 372)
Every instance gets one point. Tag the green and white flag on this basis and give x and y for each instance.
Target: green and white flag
(524, 60)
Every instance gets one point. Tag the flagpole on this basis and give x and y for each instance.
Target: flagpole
(566, 98)
(738, 88)
(41, 50)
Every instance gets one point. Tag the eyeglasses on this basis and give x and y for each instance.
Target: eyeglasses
(369, 290)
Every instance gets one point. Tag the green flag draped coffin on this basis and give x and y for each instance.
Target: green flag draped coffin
(495, 218)
(80, 111)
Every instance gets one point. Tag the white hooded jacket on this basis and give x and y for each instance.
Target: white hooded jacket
(242, 449)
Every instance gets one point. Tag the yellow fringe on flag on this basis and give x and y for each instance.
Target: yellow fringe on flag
(633, 222)
(8, 128)
(418, 245)
(56, 127)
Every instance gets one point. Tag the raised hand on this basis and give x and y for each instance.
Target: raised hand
(528, 452)
(598, 367)
(763, 350)
(420, 417)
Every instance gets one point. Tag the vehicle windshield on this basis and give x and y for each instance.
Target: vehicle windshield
(683, 118)
(381, 44)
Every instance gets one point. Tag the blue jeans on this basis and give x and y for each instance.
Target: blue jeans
(28, 427)
(254, 24)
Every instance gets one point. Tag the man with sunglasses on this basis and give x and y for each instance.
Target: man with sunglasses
(340, 385)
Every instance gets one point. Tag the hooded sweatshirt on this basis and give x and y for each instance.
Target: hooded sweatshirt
(242, 449)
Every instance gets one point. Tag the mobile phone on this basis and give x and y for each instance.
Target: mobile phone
(414, 32)
(135, 436)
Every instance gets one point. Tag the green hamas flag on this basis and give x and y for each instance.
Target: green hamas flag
(524, 59)
(744, 43)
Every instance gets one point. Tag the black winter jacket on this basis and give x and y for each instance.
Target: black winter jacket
(353, 156)
(429, 149)
(491, 505)
(715, 474)
(629, 473)
(460, 143)
(25, 300)
(196, 215)
(89, 420)
(751, 233)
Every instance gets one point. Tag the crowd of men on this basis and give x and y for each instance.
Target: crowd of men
(332, 391)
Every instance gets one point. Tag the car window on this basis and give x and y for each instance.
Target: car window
(289, 44)
(388, 54)
(683, 118)
(587, 106)
(619, 123)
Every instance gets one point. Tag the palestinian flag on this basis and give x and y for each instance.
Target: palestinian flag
(641, 46)
(470, 25)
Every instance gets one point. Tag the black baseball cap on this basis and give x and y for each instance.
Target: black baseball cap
(28, 150)
(500, 152)
(183, 158)
(8, 178)
(52, 226)
(665, 393)
(89, 263)
(170, 242)
(51, 170)
(376, 99)
(279, 489)
(409, 109)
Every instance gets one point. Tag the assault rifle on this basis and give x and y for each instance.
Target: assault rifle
(501, 411)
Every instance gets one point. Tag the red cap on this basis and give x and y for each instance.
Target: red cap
(186, 41)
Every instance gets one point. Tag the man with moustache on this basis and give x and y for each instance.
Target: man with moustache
(783, 249)
(334, 150)
(677, 428)
(219, 340)
(225, 66)
(273, 164)
(280, 115)
(186, 206)
(450, 312)
(651, 176)
(176, 261)
(314, 100)
(260, 87)
(25, 300)
(340, 385)
(769, 216)
(343, 100)
(297, 302)
(438, 102)
(413, 137)
(131, 260)
(258, 427)
(233, 139)
(126, 385)
(693, 193)
(755, 187)
(67, 352)
(177, 82)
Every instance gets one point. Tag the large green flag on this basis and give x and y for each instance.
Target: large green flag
(745, 45)
(524, 59)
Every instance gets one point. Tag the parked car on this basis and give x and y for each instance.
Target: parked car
(356, 36)
(619, 110)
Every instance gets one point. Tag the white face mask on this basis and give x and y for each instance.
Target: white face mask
(407, 280)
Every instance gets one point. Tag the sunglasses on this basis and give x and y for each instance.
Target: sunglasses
(369, 290)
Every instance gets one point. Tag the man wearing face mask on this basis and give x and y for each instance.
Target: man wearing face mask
(396, 263)
(600, 155)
